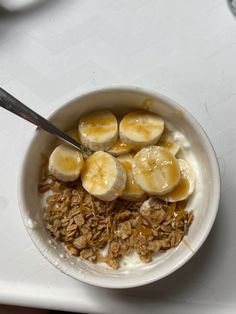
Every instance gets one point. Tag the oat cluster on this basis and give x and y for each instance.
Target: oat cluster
(87, 225)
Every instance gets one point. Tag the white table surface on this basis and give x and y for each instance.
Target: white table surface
(185, 49)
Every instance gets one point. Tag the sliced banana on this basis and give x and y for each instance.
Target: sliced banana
(74, 133)
(120, 148)
(185, 186)
(132, 191)
(156, 170)
(167, 141)
(140, 129)
(65, 163)
(98, 130)
(103, 176)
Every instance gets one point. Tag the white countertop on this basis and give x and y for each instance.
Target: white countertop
(185, 49)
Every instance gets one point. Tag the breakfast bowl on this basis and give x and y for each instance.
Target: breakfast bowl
(203, 203)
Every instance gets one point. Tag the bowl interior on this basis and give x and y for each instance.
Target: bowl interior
(204, 201)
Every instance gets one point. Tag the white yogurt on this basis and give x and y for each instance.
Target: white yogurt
(181, 139)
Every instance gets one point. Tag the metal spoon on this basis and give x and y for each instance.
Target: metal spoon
(12, 104)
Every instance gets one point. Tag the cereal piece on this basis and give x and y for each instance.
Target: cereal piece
(42, 188)
(113, 263)
(124, 230)
(114, 248)
(72, 250)
(154, 246)
(86, 253)
(79, 220)
(80, 242)
(146, 257)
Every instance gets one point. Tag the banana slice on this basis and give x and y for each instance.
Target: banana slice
(132, 191)
(140, 129)
(98, 130)
(74, 133)
(103, 176)
(156, 170)
(185, 186)
(167, 141)
(120, 148)
(65, 163)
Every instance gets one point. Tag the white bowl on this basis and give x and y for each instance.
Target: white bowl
(204, 201)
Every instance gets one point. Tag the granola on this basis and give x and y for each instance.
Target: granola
(86, 225)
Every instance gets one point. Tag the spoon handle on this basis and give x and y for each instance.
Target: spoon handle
(13, 105)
